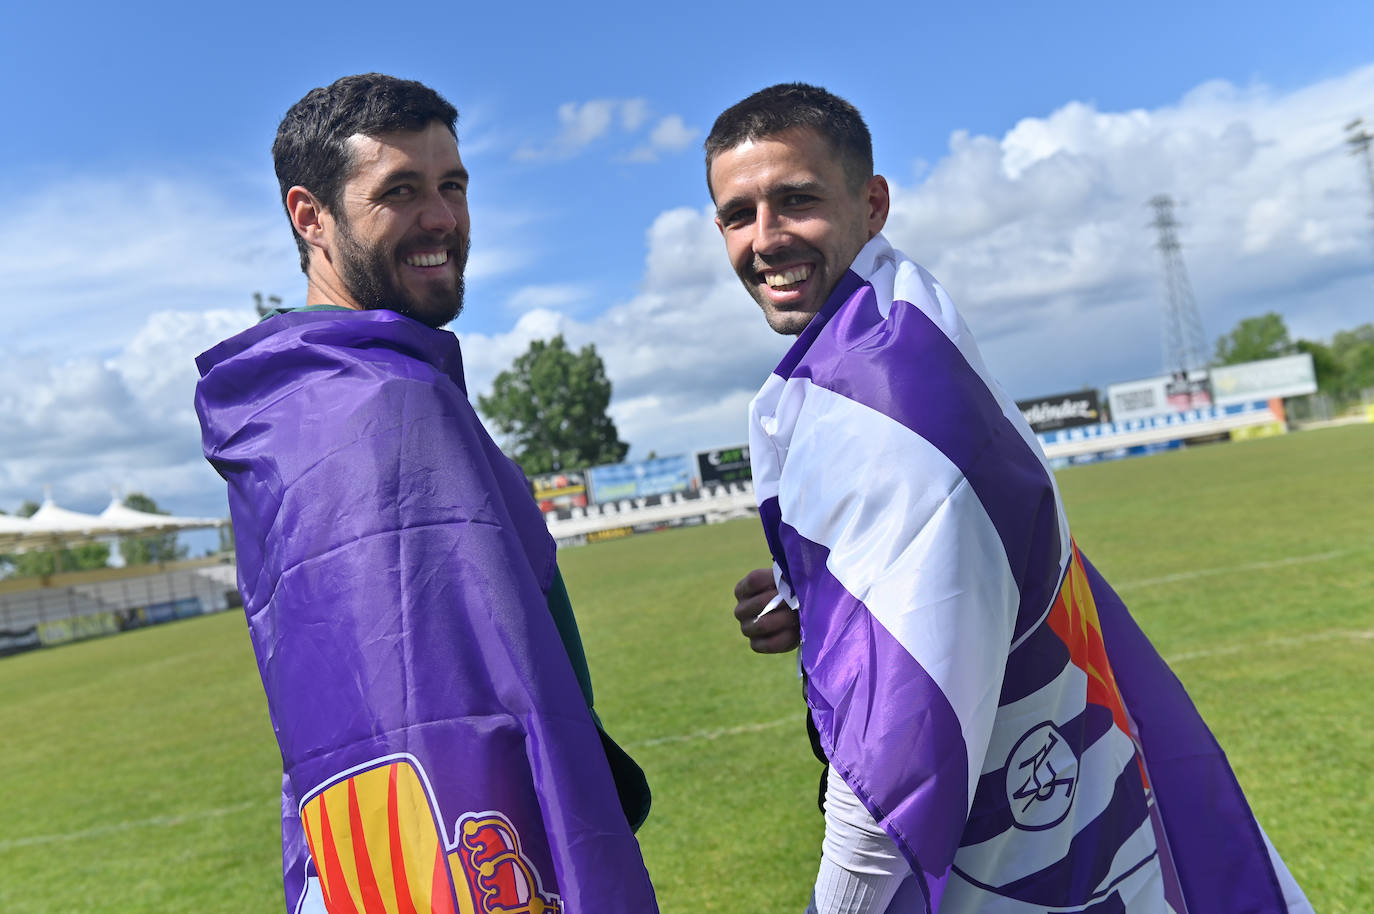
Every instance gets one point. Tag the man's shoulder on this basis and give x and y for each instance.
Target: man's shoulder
(316, 334)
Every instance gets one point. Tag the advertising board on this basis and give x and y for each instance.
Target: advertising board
(1188, 390)
(724, 464)
(1138, 399)
(564, 489)
(1289, 376)
(1045, 414)
(657, 476)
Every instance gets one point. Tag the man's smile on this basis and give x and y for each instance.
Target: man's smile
(427, 259)
(787, 280)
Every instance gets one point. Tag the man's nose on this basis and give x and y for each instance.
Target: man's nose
(439, 214)
(770, 231)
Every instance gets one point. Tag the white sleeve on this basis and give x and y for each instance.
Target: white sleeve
(861, 868)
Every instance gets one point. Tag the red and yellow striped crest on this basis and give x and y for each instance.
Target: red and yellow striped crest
(379, 847)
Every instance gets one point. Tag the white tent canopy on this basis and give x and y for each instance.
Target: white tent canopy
(52, 526)
(49, 518)
(119, 514)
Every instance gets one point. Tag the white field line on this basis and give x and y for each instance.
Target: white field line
(1268, 644)
(131, 824)
(1232, 569)
(717, 734)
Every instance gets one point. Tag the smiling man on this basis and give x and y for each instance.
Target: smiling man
(423, 670)
(999, 735)
(793, 216)
(395, 236)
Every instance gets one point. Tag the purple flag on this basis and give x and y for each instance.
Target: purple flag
(976, 684)
(437, 752)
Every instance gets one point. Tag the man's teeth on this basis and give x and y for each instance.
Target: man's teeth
(428, 260)
(790, 277)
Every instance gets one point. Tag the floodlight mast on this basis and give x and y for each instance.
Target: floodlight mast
(1185, 348)
(1358, 139)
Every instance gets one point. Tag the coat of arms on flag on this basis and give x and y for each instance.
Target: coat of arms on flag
(378, 843)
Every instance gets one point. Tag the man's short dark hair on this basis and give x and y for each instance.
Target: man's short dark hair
(786, 106)
(310, 148)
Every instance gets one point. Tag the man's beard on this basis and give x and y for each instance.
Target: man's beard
(369, 274)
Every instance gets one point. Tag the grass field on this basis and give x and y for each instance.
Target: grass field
(140, 772)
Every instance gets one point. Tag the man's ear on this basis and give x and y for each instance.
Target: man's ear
(878, 198)
(308, 216)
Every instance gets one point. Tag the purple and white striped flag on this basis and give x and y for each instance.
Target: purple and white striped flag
(976, 683)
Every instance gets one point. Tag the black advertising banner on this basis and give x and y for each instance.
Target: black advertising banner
(725, 464)
(12, 641)
(1047, 414)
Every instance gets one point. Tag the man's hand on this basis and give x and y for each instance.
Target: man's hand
(776, 633)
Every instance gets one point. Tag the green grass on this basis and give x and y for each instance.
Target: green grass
(141, 772)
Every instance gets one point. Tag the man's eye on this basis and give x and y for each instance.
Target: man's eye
(798, 199)
(400, 191)
(452, 186)
(739, 217)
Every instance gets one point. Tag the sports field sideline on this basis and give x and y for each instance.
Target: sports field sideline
(140, 772)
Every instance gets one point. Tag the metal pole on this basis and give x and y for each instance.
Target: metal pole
(1359, 139)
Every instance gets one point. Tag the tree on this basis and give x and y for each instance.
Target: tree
(1354, 351)
(551, 407)
(149, 550)
(1325, 365)
(265, 308)
(44, 562)
(1253, 339)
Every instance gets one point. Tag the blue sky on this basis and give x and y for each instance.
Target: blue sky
(1022, 142)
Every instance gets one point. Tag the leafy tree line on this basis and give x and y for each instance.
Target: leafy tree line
(1344, 367)
(136, 550)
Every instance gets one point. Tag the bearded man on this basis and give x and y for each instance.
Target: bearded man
(423, 669)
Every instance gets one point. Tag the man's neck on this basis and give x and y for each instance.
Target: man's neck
(323, 287)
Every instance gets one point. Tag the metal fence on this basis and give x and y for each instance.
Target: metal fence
(56, 614)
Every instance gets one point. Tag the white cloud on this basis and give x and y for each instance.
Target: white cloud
(102, 254)
(1044, 239)
(671, 134)
(86, 427)
(487, 263)
(633, 113)
(547, 297)
(580, 125)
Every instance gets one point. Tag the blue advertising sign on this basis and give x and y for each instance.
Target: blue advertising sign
(658, 476)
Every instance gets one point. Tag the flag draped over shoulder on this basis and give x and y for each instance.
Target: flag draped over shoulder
(973, 679)
(438, 754)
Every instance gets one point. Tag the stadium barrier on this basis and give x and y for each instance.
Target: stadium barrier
(90, 604)
(1156, 433)
(709, 504)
